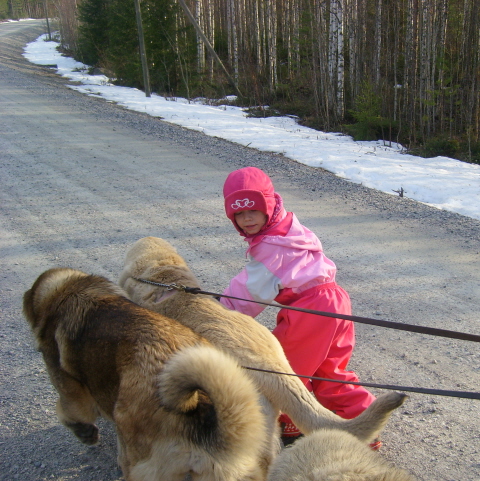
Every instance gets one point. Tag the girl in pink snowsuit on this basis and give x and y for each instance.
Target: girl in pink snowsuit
(287, 264)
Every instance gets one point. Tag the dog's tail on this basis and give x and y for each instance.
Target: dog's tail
(309, 415)
(218, 402)
(370, 423)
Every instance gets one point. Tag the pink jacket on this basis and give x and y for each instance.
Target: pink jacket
(294, 261)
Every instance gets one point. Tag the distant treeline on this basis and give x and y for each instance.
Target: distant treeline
(17, 9)
(401, 70)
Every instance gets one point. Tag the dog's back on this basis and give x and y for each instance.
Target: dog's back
(154, 259)
(108, 356)
(88, 330)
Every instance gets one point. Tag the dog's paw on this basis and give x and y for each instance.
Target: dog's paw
(86, 433)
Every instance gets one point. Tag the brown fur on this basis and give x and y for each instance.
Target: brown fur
(181, 408)
(251, 343)
(333, 455)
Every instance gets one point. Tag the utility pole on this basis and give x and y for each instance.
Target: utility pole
(48, 23)
(141, 41)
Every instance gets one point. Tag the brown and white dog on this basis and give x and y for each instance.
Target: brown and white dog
(253, 345)
(181, 408)
(332, 455)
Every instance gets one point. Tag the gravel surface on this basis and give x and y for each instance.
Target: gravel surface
(82, 179)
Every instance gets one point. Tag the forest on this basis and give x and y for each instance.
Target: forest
(404, 71)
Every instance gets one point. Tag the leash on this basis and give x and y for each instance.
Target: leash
(376, 322)
(436, 392)
(363, 320)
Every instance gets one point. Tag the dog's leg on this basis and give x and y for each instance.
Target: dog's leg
(122, 459)
(272, 427)
(76, 409)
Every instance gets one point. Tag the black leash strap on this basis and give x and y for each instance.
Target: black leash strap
(436, 392)
(376, 322)
(392, 325)
(363, 320)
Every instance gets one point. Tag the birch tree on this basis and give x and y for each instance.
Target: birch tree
(377, 42)
(336, 57)
(271, 18)
(201, 19)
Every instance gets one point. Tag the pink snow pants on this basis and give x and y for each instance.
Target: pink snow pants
(321, 347)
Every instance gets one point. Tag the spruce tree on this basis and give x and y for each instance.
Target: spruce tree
(93, 31)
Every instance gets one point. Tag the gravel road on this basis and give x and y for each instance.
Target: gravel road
(82, 179)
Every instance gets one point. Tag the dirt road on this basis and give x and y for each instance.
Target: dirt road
(82, 179)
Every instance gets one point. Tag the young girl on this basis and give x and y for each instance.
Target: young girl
(287, 264)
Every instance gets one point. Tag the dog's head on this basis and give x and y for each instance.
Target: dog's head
(41, 295)
(64, 294)
(153, 251)
(154, 259)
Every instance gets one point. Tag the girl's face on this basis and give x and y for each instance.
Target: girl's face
(251, 221)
